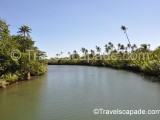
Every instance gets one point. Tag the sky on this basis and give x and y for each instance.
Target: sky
(67, 25)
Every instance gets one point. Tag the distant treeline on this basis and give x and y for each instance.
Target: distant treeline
(128, 57)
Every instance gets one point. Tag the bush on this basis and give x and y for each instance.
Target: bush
(10, 78)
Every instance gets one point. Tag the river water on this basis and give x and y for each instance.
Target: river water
(73, 92)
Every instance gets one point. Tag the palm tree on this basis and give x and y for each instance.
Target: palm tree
(119, 45)
(125, 31)
(74, 52)
(92, 53)
(107, 48)
(24, 30)
(57, 54)
(122, 47)
(86, 51)
(111, 46)
(133, 47)
(83, 50)
(144, 47)
(128, 45)
(98, 49)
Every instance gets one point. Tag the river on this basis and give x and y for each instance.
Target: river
(73, 92)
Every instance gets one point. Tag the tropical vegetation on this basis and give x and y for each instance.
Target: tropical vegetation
(130, 57)
(19, 57)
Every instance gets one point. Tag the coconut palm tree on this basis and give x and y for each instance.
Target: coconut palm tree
(144, 47)
(123, 28)
(74, 52)
(92, 53)
(111, 46)
(107, 48)
(119, 45)
(86, 52)
(24, 30)
(83, 50)
(98, 49)
(57, 54)
(133, 47)
(122, 47)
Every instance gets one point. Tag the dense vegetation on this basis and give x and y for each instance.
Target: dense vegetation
(19, 58)
(138, 59)
(130, 57)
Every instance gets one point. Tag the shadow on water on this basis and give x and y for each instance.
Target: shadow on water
(151, 78)
(146, 77)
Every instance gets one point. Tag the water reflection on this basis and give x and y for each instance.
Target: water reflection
(72, 92)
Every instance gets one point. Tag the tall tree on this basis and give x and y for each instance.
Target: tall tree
(98, 49)
(92, 52)
(4, 29)
(83, 50)
(24, 30)
(123, 28)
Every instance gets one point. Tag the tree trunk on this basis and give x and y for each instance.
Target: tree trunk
(27, 76)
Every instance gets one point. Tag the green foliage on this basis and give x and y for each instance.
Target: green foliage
(23, 30)
(28, 58)
(10, 78)
(123, 57)
(3, 83)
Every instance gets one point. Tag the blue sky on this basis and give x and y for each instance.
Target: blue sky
(66, 25)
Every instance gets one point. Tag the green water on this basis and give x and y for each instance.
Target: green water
(72, 92)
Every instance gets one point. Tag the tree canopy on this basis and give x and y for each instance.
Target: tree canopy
(18, 55)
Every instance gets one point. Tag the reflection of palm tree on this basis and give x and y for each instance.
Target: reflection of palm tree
(125, 31)
(24, 30)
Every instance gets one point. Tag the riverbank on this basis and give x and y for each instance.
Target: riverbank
(130, 57)
(19, 57)
(152, 69)
(11, 79)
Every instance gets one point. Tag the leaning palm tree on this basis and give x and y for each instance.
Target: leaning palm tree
(24, 30)
(125, 31)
